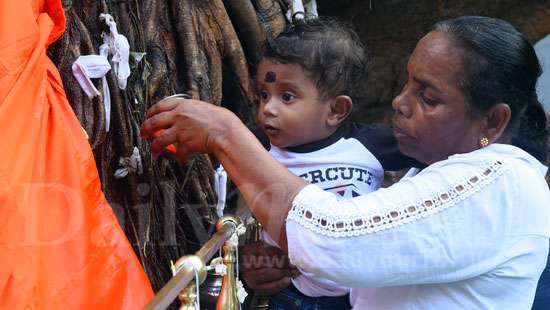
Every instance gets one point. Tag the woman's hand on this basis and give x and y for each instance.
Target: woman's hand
(265, 269)
(190, 124)
(199, 127)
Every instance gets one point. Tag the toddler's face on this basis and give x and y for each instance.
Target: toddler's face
(290, 110)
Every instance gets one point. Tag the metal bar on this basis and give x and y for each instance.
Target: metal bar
(170, 291)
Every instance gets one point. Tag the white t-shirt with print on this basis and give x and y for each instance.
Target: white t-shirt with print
(349, 163)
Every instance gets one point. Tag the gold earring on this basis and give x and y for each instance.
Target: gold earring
(484, 141)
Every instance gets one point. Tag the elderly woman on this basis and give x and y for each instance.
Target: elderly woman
(469, 231)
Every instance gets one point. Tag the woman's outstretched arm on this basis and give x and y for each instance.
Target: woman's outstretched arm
(198, 127)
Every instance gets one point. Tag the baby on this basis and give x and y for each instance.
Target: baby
(307, 81)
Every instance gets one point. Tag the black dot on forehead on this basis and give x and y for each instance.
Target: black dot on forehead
(270, 77)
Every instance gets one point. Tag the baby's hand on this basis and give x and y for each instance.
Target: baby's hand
(265, 269)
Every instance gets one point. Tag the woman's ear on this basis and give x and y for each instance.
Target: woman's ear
(496, 121)
(340, 109)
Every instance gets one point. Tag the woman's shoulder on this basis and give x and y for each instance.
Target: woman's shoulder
(503, 174)
(477, 169)
(504, 155)
(493, 169)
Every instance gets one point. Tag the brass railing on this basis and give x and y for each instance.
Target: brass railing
(193, 264)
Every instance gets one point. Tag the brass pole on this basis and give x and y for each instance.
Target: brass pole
(188, 296)
(226, 227)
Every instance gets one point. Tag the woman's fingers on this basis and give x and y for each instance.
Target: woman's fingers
(160, 116)
(151, 126)
(267, 279)
(195, 126)
(270, 274)
(164, 139)
(164, 105)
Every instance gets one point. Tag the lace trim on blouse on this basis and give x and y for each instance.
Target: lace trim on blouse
(355, 222)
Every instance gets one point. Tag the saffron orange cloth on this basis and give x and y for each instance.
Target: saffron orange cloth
(61, 246)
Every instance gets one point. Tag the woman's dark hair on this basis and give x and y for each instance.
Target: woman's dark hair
(500, 66)
(330, 52)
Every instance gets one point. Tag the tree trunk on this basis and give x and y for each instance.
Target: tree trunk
(191, 46)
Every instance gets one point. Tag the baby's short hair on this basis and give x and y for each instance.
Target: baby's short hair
(329, 51)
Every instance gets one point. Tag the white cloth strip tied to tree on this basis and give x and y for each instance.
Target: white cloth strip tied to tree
(94, 67)
(299, 9)
(311, 8)
(119, 48)
(97, 66)
(129, 164)
(90, 67)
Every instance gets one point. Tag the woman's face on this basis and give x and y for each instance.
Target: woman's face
(432, 118)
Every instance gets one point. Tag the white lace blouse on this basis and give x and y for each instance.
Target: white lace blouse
(469, 232)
